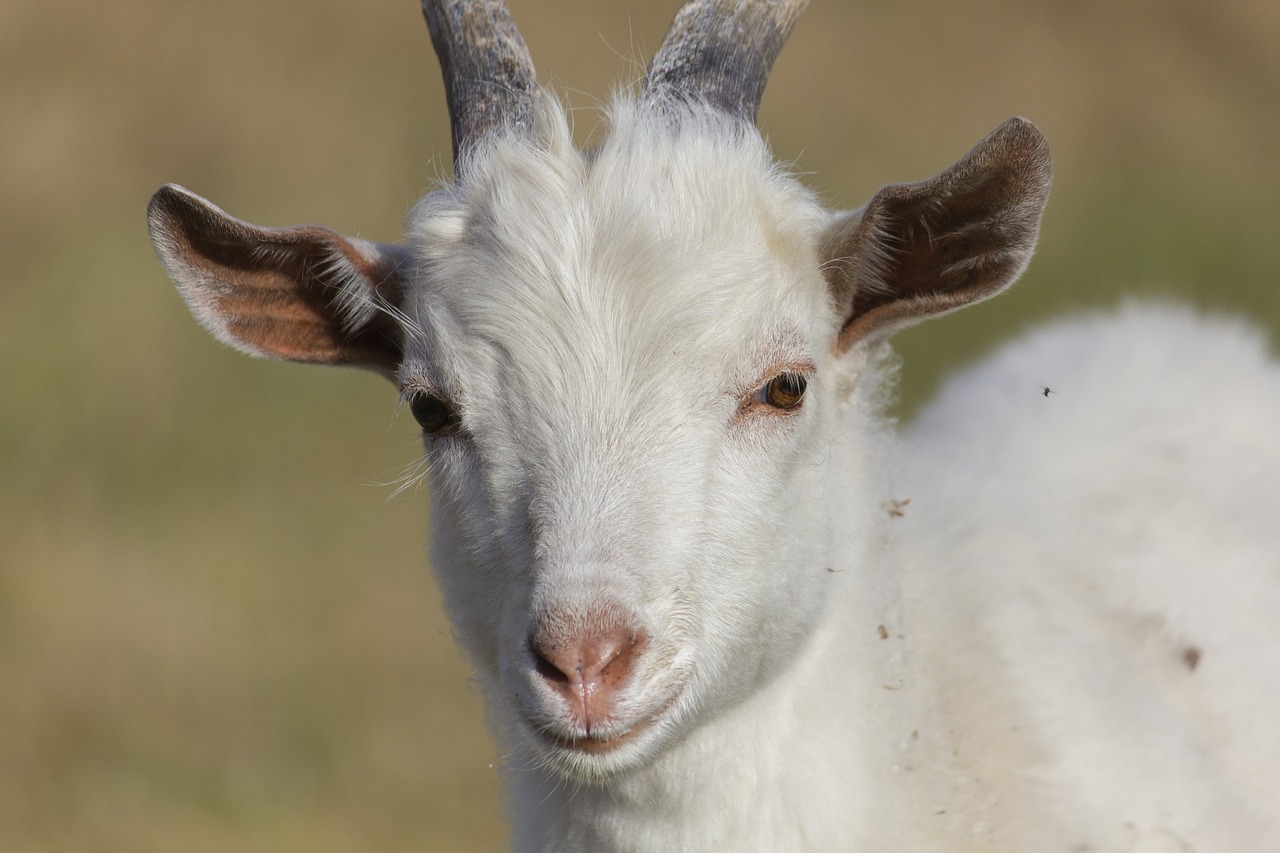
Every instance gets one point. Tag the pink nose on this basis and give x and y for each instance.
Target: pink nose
(587, 667)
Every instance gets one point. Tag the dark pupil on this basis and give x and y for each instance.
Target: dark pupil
(785, 391)
(431, 413)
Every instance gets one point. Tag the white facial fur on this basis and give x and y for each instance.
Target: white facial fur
(598, 321)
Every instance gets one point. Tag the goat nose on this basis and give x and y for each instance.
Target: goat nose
(587, 668)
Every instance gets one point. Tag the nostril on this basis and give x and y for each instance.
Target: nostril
(545, 668)
(589, 659)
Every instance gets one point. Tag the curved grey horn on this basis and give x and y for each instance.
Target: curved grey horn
(720, 51)
(488, 76)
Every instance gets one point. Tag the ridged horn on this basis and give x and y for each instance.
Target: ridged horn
(489, 80)
(721, 51)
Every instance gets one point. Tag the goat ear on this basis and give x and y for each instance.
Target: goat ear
(919, 250)
(303, 294)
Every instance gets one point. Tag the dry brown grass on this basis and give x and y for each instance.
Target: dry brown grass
(214, 635)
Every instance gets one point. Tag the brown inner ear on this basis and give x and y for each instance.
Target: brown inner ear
(280, 296)
(290, 293)
(919, 250)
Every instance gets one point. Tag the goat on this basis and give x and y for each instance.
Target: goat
(715, 600)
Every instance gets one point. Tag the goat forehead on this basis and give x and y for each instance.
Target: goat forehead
(673, 242)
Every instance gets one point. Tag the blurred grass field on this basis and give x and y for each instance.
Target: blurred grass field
(216, 632)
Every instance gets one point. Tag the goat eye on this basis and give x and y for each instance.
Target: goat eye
(435, 416)
(784, 391)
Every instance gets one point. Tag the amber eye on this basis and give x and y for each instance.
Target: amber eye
(435, 416)
(784, 391)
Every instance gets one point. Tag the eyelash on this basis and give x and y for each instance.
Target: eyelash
(782, 394)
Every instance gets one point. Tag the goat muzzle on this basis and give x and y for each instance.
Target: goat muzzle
(587, 663)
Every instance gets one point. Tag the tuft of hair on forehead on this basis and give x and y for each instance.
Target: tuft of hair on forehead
(680, 150)
(705, 174)
(664, 186)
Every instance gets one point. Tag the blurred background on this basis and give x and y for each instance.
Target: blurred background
(216, 630)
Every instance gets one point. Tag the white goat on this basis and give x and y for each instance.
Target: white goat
(716, 604)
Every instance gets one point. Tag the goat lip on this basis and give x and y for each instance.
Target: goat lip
(592, 744)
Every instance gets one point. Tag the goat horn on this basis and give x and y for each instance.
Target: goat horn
(720, 51)
(489, 79)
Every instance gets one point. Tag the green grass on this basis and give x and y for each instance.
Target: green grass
(215, 633)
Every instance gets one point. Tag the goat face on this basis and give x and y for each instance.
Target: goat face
(627, 363)
(632, 350)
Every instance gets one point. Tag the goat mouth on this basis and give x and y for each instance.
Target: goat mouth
(594, 744)
(597, 744)
(606, 742)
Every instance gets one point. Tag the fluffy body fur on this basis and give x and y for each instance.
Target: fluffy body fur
(1028, 622)
(1093, 577)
